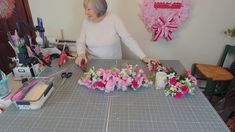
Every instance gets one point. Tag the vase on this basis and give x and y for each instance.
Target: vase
(160, 80)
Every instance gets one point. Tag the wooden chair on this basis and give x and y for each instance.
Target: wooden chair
(213, 74)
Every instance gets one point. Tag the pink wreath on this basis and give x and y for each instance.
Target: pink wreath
(6, 8)
(162, 17)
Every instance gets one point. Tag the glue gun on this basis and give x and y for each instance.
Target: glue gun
(63, 58)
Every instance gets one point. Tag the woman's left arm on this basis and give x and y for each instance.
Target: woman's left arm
(126, 37)
(130, 42)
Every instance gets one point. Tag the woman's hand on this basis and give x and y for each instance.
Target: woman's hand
(81, 60)
(147, 59)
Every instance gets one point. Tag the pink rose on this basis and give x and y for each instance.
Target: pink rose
(100, 84)
(173, 81)
(178, 95)
(153, 68)
(195, 82)
(135, 84)
(178, 84)
(185, 89)
(141, 71)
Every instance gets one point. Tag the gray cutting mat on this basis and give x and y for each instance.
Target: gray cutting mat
(74, 108)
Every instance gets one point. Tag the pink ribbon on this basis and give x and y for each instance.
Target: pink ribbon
(163, 28)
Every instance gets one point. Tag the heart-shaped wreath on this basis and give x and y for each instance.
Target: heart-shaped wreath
(162, 17)
(6, 8)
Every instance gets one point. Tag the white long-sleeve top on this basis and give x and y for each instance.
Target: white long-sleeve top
(102, 39)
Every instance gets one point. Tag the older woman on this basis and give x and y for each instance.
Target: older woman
(101, 33)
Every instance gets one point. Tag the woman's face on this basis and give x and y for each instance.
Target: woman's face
(91, 14)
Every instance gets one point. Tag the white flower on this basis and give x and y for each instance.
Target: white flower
(172, 88)
(167, 93)
(171, 75)
(188, 81)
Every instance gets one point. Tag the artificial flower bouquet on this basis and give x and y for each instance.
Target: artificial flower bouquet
(108, 80)
(176, 85)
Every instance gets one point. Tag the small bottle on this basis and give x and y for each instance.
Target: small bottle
(4, 90)
(39, 40)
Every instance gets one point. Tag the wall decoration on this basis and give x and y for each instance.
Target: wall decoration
(162, 17)
(6, 8)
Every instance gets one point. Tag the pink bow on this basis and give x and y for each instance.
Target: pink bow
(163, 28)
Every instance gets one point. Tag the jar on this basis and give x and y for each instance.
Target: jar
(4, 90)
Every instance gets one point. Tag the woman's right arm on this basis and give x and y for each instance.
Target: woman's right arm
(81, 45)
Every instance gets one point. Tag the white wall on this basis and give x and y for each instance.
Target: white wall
(200, 39)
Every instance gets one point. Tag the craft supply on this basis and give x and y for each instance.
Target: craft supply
(35, 97)
(20, 94)
(173, 84)
(63, 57)
(36, 92)
(65, 76)
(108, 80)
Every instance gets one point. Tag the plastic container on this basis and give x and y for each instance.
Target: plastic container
(34, 97)
(4, 89)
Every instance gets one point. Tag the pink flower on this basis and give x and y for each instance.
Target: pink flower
(194, 80)
(188, 72)
(178, 95)
(99, 84)
(109, 86)
(135, 84)
(173, 81)
(178, 84)
(127, 81)
(152, 68)
(141, 71)
(184, 89)
(110, 79)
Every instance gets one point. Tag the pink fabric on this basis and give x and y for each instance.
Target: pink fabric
(163, 21)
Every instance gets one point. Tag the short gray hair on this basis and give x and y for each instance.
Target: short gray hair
(99, 6)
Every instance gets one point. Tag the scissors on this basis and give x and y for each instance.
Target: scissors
(64, 76)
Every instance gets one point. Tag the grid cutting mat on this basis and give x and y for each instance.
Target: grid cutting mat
(74, 108)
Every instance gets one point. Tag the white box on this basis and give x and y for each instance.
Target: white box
(24, 72)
